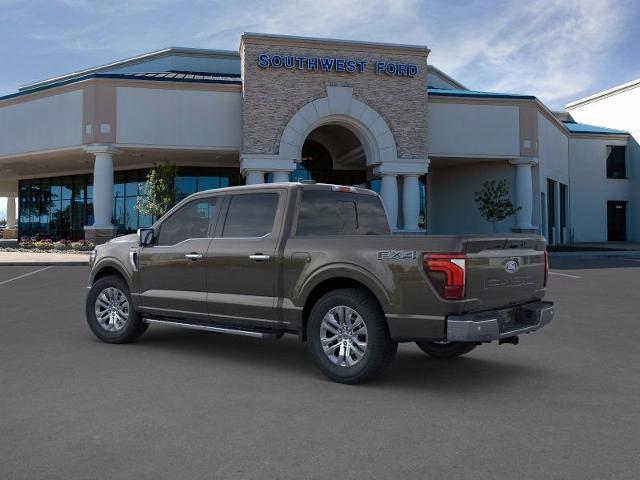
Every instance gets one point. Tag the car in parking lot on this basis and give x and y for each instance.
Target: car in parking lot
(318, 261)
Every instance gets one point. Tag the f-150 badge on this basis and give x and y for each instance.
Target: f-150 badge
(397, 255)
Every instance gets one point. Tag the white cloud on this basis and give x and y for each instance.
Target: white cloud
(548, 48)
(551, 48)
(542, 47)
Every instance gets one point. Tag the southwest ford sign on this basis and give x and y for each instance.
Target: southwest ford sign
(331, 64)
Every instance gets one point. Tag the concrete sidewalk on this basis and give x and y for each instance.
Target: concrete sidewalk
(42, 259)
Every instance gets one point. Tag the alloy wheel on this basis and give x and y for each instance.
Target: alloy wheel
(343, 335)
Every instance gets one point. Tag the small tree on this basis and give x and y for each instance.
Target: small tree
(160, 190)
(494, 203)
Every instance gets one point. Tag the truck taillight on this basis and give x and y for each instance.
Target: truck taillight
(446, 271)
(546, 267)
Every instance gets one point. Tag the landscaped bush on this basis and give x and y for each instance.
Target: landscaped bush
(83, 245)
(62, 245)
(40, 243)
(26, 242)
(46, 244)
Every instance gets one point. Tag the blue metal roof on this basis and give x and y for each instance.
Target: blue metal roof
(188, 77)
(575, 127)
(444, 92)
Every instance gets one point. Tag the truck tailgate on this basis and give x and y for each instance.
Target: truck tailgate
(502, 272)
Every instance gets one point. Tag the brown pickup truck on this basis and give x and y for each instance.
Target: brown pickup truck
(318, 261)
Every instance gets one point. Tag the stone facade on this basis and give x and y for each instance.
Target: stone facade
(272, 96)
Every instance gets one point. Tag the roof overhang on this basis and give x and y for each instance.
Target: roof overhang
(605, 93)
(145, 57)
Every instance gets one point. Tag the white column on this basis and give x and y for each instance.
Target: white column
(524, 192)
(389, 194)
(103, 190)
(11, 211)
(280, 176)
(410, 201)
(102, 187)
(253, 177)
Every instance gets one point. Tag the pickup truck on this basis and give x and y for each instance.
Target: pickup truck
(318, 261)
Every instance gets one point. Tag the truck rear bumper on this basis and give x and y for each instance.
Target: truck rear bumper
(499, 324)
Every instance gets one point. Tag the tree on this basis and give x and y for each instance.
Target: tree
(160, 190)
(494, 203)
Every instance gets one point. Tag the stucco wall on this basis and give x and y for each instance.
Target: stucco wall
(45, 123)
(271, 96)
(590, 189)
(165, 117)
(463, 129)
(553, 158)
(451, 201)
(621, 111)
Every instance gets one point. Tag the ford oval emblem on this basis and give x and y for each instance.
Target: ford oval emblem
(512, 266)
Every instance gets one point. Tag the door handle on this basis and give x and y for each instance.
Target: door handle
(194, 256)
(259, 257)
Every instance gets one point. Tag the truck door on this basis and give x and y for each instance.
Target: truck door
(171, 273)
(243, 260)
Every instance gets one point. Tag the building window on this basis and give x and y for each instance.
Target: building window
(60, 207)
(616, 161)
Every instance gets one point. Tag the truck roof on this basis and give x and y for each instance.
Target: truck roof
(303, 185)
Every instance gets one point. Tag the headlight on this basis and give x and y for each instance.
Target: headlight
(92, 257)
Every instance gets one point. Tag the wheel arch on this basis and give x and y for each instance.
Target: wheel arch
(335, 279)
(109, 267)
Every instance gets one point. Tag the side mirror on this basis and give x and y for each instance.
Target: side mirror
(146, 237)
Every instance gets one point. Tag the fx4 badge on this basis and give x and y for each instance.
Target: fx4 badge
(397, 255)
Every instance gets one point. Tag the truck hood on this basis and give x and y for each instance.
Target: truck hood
(131, 238)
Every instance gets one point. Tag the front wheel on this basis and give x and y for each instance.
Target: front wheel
(348, 336)
(110, 313)
(446, 349)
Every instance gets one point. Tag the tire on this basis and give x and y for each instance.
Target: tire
(446, 349)
(105, 315)
(363, 322)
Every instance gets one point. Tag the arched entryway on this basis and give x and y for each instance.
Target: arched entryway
(340, 139)
(333, 154)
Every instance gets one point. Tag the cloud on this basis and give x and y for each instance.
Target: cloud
(555, 49)
(547, 48)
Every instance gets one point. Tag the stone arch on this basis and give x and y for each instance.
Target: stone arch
(340, 108)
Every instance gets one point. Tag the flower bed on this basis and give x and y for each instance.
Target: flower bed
(36, 244)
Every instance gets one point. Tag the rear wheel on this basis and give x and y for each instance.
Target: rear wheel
(110, 313)
(446, 349)
(348, 336)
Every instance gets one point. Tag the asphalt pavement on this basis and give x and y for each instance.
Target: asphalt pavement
(180, 404)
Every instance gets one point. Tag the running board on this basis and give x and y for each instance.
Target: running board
(211, 328)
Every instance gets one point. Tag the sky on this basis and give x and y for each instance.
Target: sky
(557, 50)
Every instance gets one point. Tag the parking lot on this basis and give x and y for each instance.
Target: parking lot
(564, 404)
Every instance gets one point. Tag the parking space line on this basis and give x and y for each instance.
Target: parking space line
(25, 275)
(564, 275)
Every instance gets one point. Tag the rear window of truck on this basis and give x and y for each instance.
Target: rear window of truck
(324, 213)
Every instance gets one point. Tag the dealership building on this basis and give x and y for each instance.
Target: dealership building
(75, 149)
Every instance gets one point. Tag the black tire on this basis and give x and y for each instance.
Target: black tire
(132, 328)
(380, 349)
(446, 350)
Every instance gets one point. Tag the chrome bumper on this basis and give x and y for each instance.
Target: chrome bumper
(499, 324)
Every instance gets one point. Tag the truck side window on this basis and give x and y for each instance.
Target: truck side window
(250, 215)
(325, 213)
(190, 221)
